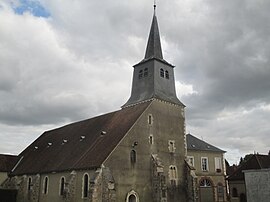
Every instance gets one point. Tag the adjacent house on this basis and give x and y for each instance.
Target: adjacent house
(209, 167)
(7, 163)
(237, 182)
(257, 185)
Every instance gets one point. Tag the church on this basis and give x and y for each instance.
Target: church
(137, 153)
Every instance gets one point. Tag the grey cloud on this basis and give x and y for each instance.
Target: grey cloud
(78, 64)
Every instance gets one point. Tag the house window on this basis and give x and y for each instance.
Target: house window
(161, 73)
(190, 160)
(45, 185)
(29, 184)
(171, 146)
(218, 164)
(145, 72)
(173, 174)
(204, 162)
(167, 74)
(205, 183)
(140, 74)
(85, 185)
(234, 192)
(133, 156)
(62, 186)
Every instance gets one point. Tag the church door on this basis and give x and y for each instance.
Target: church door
(132, 198)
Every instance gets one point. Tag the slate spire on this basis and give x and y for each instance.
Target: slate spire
(153, 77)
(153, 49)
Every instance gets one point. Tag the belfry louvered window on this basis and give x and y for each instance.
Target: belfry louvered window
(140, 74)
(167, 74)
(161, 73)
(145, 72)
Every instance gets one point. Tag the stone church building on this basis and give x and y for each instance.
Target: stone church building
(137, 153)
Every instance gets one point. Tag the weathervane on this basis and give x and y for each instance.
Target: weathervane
(155, 4)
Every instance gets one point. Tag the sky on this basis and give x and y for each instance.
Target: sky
(65, 61)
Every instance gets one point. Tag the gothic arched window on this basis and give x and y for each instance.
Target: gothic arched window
(62, 186)
(85, 185)
(133, 156)
(45, 185)
(161, 73)
(29, 184)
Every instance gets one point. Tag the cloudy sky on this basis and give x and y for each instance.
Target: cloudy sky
(64, 61)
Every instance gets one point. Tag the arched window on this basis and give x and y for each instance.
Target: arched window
(132, 196)
(62, 186)
(167, 74)
(145, 72)
(234, 192)
(29, 184)
(161, 73)
(171, 146)
(173, 174)
(45, 185)
(140, 74)
(133, 156)
(205, 183)
(85, 185)
(151, 139)
(150, 119)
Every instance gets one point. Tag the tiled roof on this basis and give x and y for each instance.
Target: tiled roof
(194, 143)
(257, 161)
(81, 145)
(7, 162)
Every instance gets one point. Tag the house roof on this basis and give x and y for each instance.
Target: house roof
(193, 143)
(7, 162)
(81, 145)
(256, 161)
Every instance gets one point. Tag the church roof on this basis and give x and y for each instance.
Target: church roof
(7, 162)
(153, 48)
(81, 145)
(194, 143)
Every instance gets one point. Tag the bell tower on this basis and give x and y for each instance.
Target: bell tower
(153, 77)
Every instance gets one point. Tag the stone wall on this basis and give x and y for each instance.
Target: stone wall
(257, 185)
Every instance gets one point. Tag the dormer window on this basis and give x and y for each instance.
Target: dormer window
(162, 73)
(167, 74)
(145, 72)
(140, 74)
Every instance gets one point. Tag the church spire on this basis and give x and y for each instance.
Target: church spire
(153, 77)
(153, 49)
